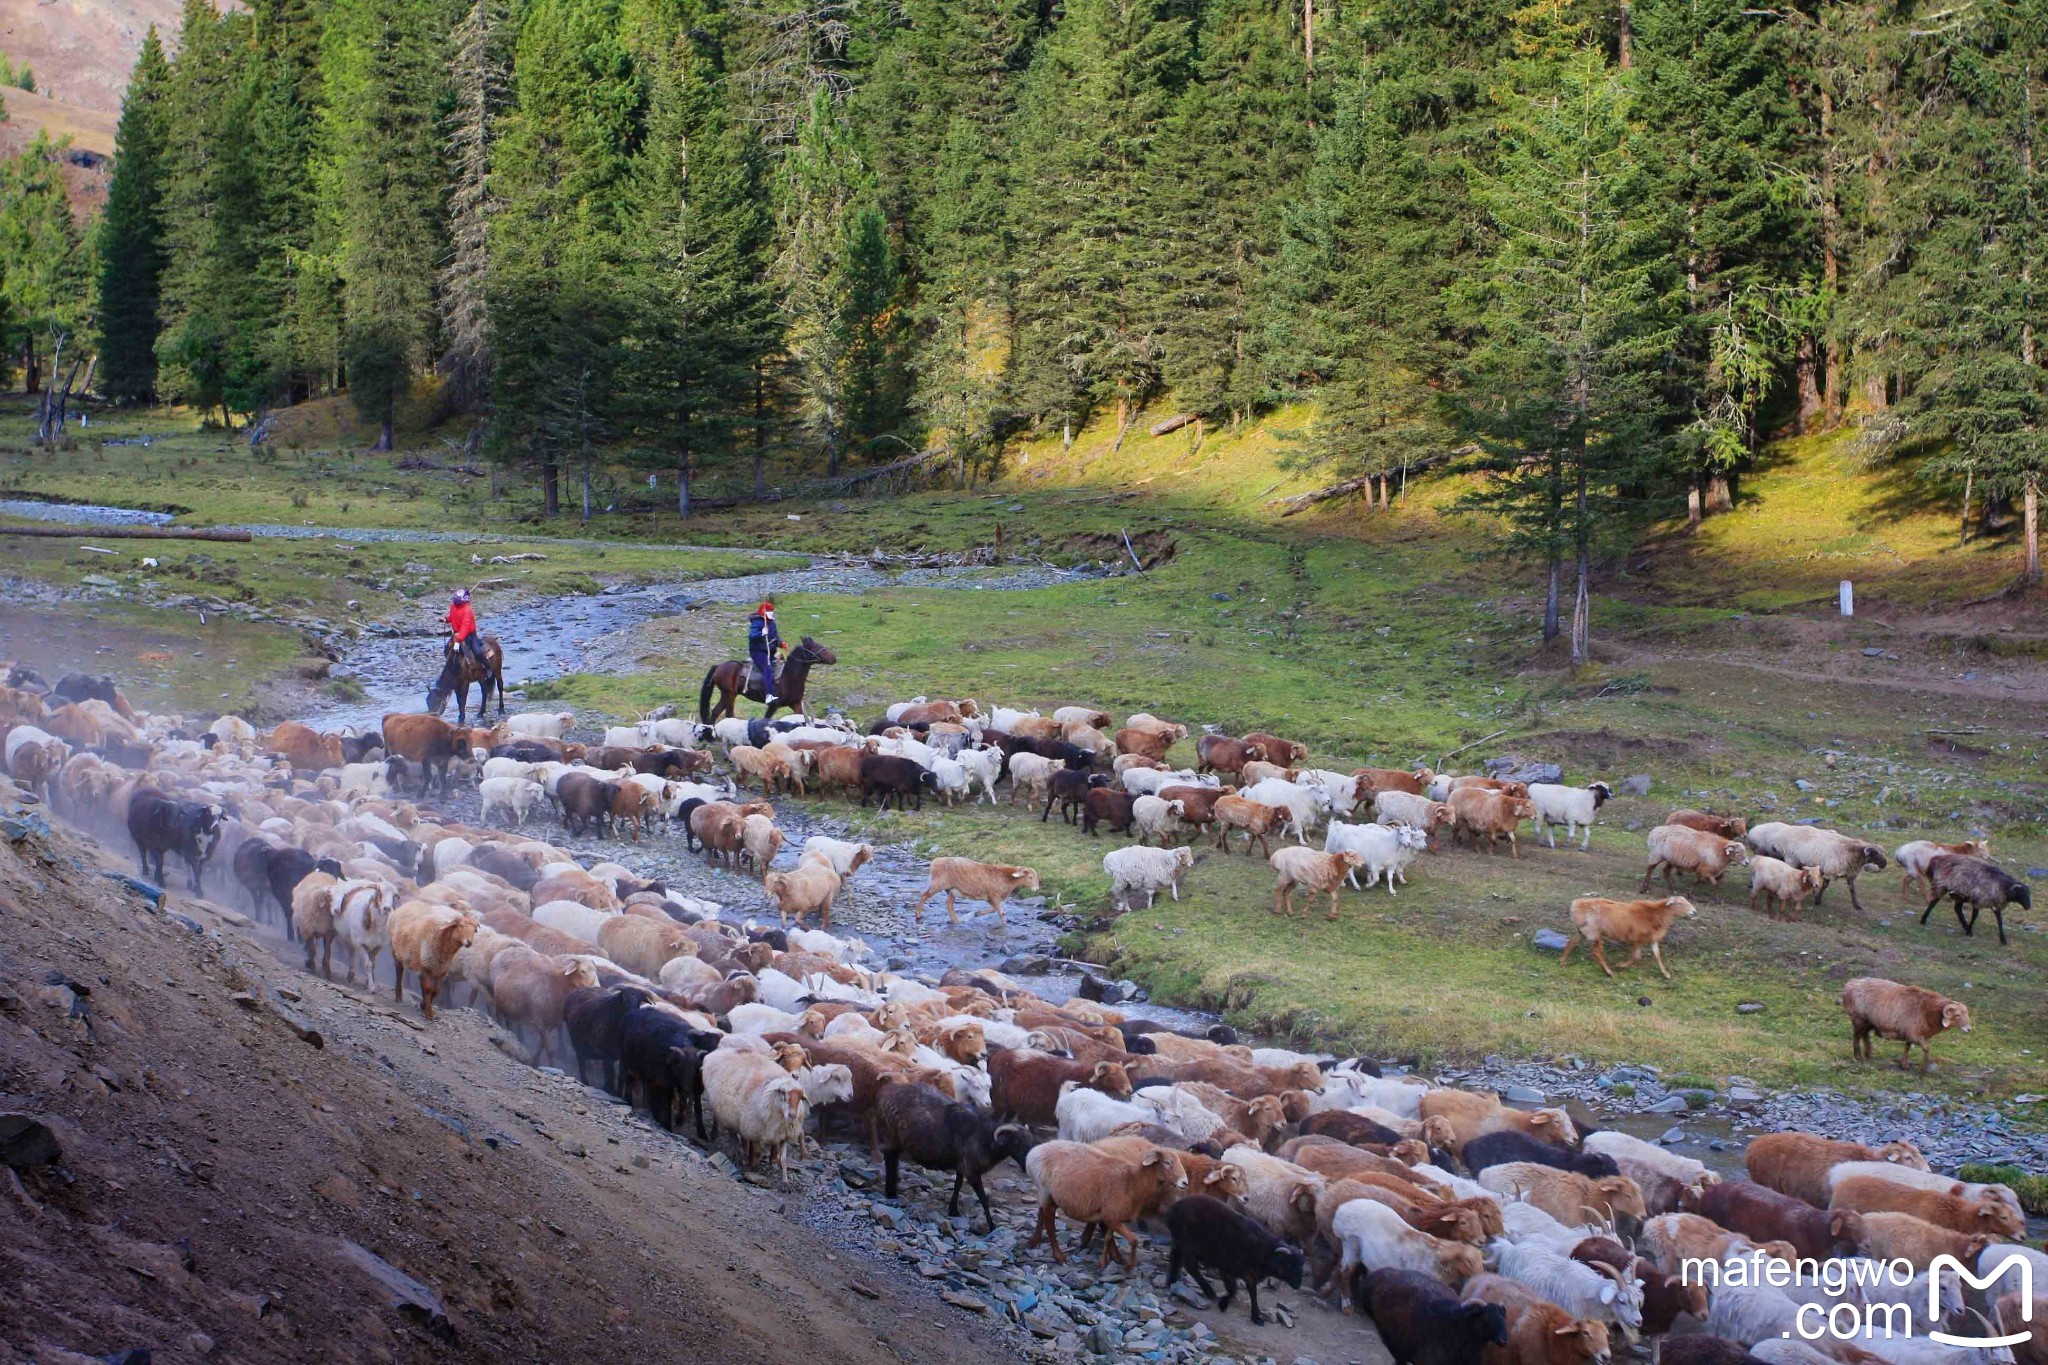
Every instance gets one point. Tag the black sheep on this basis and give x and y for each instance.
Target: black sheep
(1356, 1129)
(682, 817)
(1209, 1233)
(595, 1017)
(1423, 1323)
(940, 1134)
(1222, 1034)
(1498, 1149)
(284, 869)
(1979, 883)
(162, 824)
(894, 777)
(1069, 789)
(778, 939)
(666, 1056)
(358, 748)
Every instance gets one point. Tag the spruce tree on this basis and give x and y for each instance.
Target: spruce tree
(132, 234)
(1573, 317)
(381, 176)
(480, 73)
(45, 264)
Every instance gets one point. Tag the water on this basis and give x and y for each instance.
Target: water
(81, 513)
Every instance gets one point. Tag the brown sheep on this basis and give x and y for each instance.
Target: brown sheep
(1764, 1215)
(1373, 781)
(1475, 1113)
(1254, 818)
(1150, 744)
(838, 766)
(644, 946)
(1912, 1014)
(306, 749)
(1474, 782)
(1988, 1216)
(1477, 811)
(991, 882)
(1893, 1236)
(1672, 1239)
(721, 828)
(1725, 826)
(1258, 1119)
(1338, 1160)
(1675, 848)
(770, 771)
(424, 940)
(1321, 873)
(531, 989)
(760, 841)
(1025, 1085)
(1637, 923)
(633, 805)
(1222, 754)
(1092, 1186)
(1198, 804)
(1798, 1163)
(1569, 1197)
(1285, 752)
(1539, 1332)
(1782, 888)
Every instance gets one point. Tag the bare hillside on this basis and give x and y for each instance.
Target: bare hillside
(81, 50)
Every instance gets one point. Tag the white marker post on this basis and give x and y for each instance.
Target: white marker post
(1848, 598)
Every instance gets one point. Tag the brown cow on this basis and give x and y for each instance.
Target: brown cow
(428, 743)
(305, 748)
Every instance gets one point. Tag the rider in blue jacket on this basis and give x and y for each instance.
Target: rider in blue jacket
(764, 641)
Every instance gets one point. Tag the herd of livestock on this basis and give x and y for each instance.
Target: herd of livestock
(1463, 1228)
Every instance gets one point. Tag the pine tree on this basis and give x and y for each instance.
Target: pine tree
(559, 323)
(1099, 90)
(381, 178)
(132, 234)
(45, 266)
(295, 303)
(711, 320)
(1973, 279)
(1573, 318)
(481, 75)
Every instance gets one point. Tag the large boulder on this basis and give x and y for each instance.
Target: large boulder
(1515, 768)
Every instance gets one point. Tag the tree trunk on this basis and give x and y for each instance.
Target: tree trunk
(1720, 496)
(1830, 267)
(1625, 53)
(1066, 435)
(550, 488)
(1550, 601)
(2032, 571)
(1582, 611)
(1123, 424)
(1809, 388)
(760, 435)
(1876, 392)
(1693, 512)
(383, 434)
(1969, 486)
(32, 377)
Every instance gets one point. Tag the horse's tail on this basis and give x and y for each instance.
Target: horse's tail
(497, 663)
(704, 695)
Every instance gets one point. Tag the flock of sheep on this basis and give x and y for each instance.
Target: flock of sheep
(1463, 1228)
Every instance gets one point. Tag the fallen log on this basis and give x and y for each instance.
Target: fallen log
(127, 533)
(1301, 502)
(1172, 424)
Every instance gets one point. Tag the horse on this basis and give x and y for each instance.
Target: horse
(458, 670)
(729, 676)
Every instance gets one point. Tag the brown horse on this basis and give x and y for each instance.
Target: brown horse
(458, 670)
(789, 686)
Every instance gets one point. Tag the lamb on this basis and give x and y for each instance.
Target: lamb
(760, 840)
(1091, 1186)
(511, 797)
(1838, 856)
(1208, 1232)
(1782, 887)
(1423, 1323)
(1477, 811)
(1156, 817)
(1974, 882)
(1374, 1236)
(424, 940)
(941, 1134)
(1597, 1291)
(1914, 857)
(1414, 810)
(1138, 868)
(1568, 1196)
(1662, 1175)
(1538, 1332)
(1676, 848)
(1637, 923)
(1031, 776)
(1912, 1014)
(984, 767)
(1765, 1215)
(1319, 872)
(1798, 1164)
(1472, 1113)
(758, 1100)
(1256, 819)
(1384, 850)
(991, 882)
(812, 886)
(1568, 806)
(1989, 1216)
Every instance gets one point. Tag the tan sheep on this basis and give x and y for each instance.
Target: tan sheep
(1090, 1185)
(1912, 1014)
(1321, 873)
(811, 887)
(1637, 923)
(1779, 884)
(964, 877)
(1676, 848)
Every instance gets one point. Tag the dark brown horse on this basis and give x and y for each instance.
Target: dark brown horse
(789, 686)
(458, 670)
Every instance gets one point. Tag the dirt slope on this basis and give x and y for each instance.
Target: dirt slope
(215, 1166)
(82, 50)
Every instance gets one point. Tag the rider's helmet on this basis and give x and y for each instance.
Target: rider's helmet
(461, 596)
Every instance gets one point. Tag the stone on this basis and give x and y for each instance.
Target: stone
(1871, 653)
(1030, 964)
(1670, 1104)
(26, 1141)
(1515, 768)
(1672, 1137)
(1744, 1095)
(969, 1302)
(1102, 1338)
(1637, 785)
(1046, 1323)
(1750, 1007)
(413, 1299)
(1548, 941)
(1099, 989)
(1522, 1094)
(1802, 784)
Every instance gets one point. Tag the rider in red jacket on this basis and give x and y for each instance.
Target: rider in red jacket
(462, 625)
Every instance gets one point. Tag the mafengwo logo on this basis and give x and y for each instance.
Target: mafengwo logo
(1969, 1277)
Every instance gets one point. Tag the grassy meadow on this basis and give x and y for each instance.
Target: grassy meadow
(1373, 637)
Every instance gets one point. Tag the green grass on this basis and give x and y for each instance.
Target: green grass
(1373, 638)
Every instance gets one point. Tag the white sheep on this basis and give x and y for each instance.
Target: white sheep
(1405, 808)
(1374, 1236)
(1386, 849)
(1663, 1175)
(624, 737)
(1568, 806)
(576, 920)
(825, 944)
(1747, 1314)
(758, 1100)
(1341, 789)
(1343, 1088)
(1086, 1115)
(1305, 806)
(757, 1018)
(676, 730)
(361, 779)
(949, 779)
(1526, 1225)
(1138, 868)
(1029, 776)
(1155, 816)
(514, 797)
(1597, 1292)
(731, 732)
(362, 918)
(540, 724)
(1837, 856)
(1171, 1107)
(781, 990)
(840, 855)
(504, 767)
(1005, 718)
